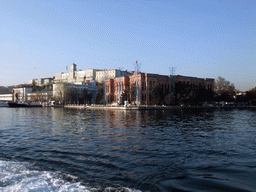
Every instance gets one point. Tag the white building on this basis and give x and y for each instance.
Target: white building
(88, 75)
(26, 94)
(21, 93)
(59, 89)
(45, 96)
(41, 82)
(110, 74)
(83, 79)
(6, 97)
(74, 76)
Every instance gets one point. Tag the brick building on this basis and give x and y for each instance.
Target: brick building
(146, 81)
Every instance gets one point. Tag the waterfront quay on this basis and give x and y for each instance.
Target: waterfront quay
(151, 107)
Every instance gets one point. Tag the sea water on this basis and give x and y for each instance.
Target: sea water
(57, 149)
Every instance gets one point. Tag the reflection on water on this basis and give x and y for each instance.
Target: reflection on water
(146, 150)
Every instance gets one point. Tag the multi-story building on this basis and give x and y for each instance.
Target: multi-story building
(117, 82)
(45, 96)
(41, 82)
(59, 88)
(6, 97)
(82, 76)
(102, 75)
(26, 94)
(74, 76)
(84, 79)
(21, 93)
(146, 81)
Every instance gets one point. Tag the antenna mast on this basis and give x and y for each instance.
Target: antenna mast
(172, 78)
(105, 102)
(137, 68)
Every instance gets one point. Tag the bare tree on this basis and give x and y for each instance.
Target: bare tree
(225, 91)
(223, 85)
(61, 92)
(37, 96)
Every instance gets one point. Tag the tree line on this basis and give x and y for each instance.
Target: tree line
(225, 91)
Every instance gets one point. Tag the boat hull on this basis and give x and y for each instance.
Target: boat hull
(13, 104)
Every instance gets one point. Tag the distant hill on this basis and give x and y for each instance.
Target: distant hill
(5, 90)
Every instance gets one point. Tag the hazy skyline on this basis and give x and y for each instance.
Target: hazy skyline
(201, 38)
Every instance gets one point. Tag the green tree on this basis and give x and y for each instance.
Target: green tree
(86, 97)
(33, 83)
(251, 96)
(47, 87)
(123, 97)
(132, 93)
(170, 99)
(66, 94)
(99, 94)
(157, 94)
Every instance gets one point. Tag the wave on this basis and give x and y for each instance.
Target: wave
(20, 176)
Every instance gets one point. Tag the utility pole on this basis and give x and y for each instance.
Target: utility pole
(93, 91)
(172, 78)
(105, 102)
(137, 68)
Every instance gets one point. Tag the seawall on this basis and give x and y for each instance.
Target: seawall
(153, 107)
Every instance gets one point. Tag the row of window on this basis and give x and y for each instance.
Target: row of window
(164, 86)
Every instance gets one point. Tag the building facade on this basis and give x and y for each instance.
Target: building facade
(85, 76)
(60, 88)
(138, 87)
(116, 83)
(84, 79)
(74, 76)
(102, 75)
(26, 94)
(21, 94)
(6, 97)
(41, 82)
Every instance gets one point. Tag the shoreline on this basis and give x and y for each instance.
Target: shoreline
(152, 107)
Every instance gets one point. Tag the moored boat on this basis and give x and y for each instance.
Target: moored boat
(51, 104)
(24, 104)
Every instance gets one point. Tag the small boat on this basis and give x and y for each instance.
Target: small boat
(24, 104)
(51, 104)
(3, 104)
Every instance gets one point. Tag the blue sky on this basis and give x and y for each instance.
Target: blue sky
(200, 38)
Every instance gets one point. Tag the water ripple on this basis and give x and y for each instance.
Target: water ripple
(128, 150)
